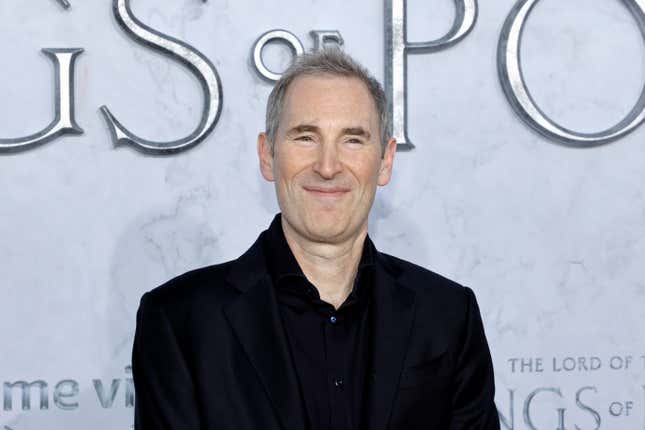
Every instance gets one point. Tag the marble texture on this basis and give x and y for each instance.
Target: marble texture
(551, 239)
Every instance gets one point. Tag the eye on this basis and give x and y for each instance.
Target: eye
(354, 140)
(305, 138)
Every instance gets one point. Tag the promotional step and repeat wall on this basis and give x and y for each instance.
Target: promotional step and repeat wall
(128, 156)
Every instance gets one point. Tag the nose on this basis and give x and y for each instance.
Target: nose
(328, 163)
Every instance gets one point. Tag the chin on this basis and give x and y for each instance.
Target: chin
(324, 228)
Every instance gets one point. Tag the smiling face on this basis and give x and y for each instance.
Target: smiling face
(327, 157)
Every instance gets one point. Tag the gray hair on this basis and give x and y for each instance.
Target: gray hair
(332, 61)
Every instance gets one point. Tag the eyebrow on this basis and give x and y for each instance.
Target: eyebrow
(354, 131)
(302, 128)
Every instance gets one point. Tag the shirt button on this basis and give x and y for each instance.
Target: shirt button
(332, 319)
(338, 382)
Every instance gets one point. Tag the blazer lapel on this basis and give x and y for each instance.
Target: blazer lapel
(393, 318)
(255, 320)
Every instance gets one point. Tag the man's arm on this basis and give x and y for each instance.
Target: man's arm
(165, 395)
(473, 397)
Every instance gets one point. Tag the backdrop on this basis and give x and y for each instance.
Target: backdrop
(550, 237)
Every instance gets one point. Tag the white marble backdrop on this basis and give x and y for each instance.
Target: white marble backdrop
(551, 239)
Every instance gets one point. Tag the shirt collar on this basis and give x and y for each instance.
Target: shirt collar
(280, 259)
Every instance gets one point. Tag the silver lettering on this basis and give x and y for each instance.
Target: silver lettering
(397, 49)
(508, 423)
(197, 64)
(129, 389)
(64, 392)
(584, 407)
(518, 95)
(64, 3)
(529, 400)
(64, 121)
(107, 400)
(283, 36)
(323, 37)
(26, 394)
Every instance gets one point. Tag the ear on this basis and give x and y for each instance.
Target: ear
(266, 157)
(385, 171)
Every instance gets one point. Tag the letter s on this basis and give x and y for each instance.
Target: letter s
(584, 407)
(188, 55)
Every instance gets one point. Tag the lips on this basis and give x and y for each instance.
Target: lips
(327, 191)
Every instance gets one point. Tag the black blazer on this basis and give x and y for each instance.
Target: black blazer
(210, 353)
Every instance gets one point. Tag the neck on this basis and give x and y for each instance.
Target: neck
(330, 267)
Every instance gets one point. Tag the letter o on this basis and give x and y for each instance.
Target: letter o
(569, 364)
(283, 35)
(518, 95)
(616, 362)
(616, 409)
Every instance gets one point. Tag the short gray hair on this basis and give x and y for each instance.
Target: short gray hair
(326, 61)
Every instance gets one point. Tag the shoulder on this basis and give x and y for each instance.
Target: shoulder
(191, 286)
(433, 291)
(189, 302)
(420, 279)
(205, 289)
(445, 310)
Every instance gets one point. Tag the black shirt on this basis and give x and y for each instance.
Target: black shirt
(329, 347)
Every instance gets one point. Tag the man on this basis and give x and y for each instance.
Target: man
(313, 328)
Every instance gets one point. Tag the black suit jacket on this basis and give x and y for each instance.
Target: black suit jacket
(210, 353)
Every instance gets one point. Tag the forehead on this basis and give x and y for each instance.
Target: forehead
(329, 98)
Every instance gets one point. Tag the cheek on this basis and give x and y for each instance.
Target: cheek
(282, 169)
(286, 177)
(366, 172)
(289, 162)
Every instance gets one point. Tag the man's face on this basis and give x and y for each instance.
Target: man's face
(327, 157)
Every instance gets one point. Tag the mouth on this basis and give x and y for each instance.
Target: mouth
(327, 192)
